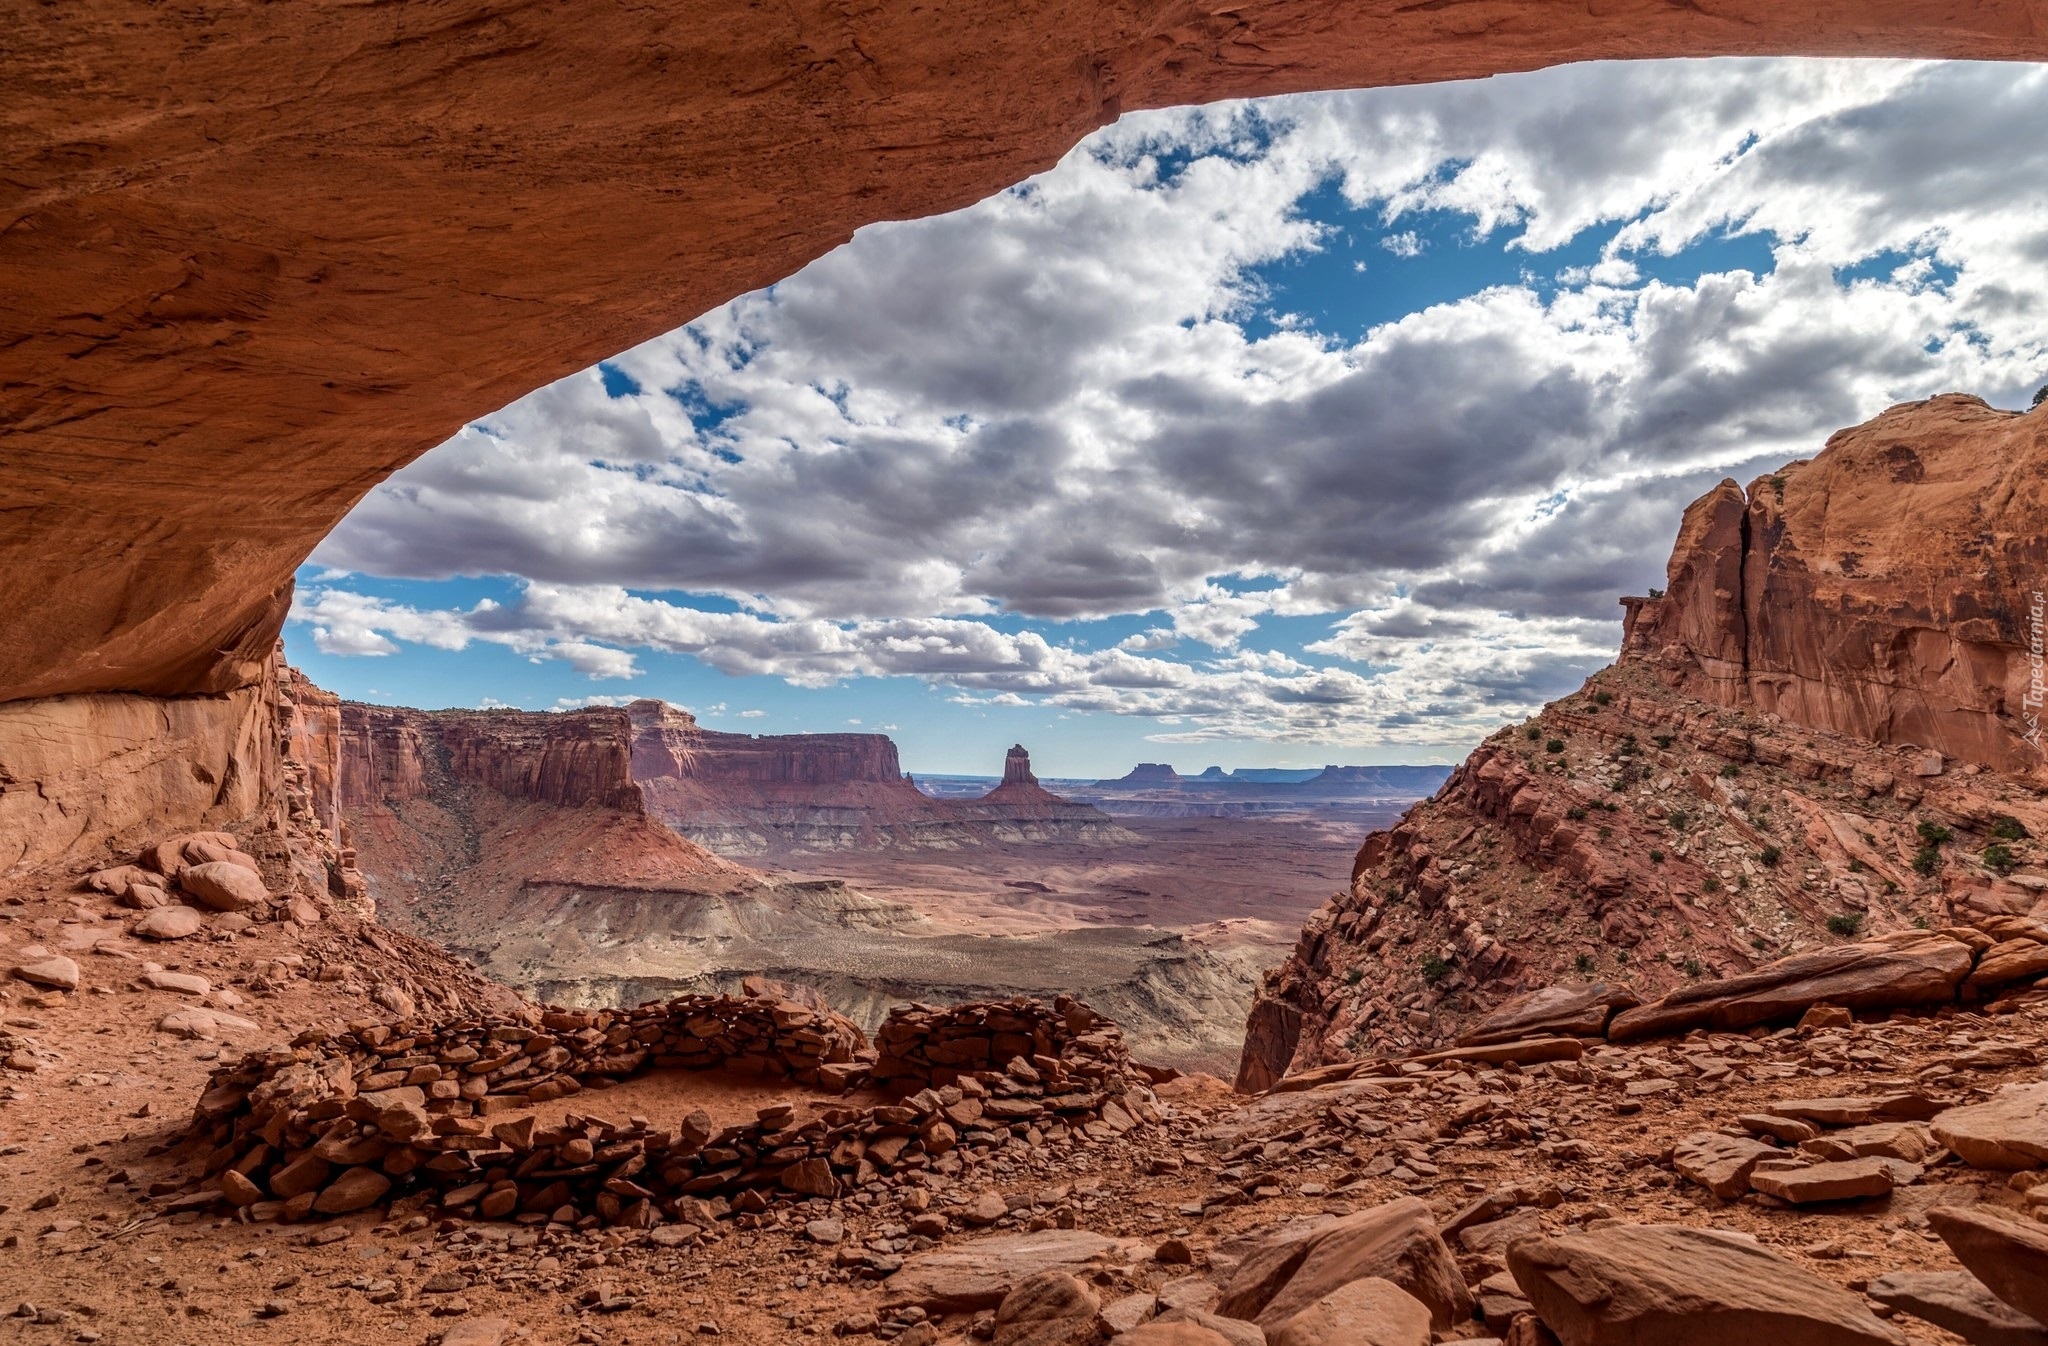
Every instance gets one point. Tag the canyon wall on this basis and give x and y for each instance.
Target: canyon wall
(572, 759)
(744, 794)
(1886, 589)
(1817, 731)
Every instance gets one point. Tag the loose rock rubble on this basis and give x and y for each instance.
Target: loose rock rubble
(413, 1112)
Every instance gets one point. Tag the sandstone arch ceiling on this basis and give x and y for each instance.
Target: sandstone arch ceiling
(258, 257)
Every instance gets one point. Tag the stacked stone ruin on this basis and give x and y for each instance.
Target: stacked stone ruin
(438, 1115)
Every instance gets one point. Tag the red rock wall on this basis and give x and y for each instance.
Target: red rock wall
(1882, 589)
(260, 256)
(389, 755)
(669, 742)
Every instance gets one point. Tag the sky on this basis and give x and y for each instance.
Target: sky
(1302, 430)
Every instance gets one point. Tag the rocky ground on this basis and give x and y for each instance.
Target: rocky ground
(101, 1079)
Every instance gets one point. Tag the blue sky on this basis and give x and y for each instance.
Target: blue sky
(1319, 429)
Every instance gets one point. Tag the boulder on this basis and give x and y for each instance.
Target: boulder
(356, 1189)
(1842, 1180)
(1569, 1011)
(203, 1023)
(185, 983)
(1159, 1332)
(979, 1275)
(117, 880)
(223, 886)
(1858, 1111)
(170, 856)
(1721, 1164)
(811, 1177)
(1789, 1130)
(1958, 1301)
(1397, 1242)
(2009, 1257)
(2009, 1131)
(1629, 1285)
(478, 1332)
(170, 922)
(1887, 1140)
(1233, 1331)
(2009, 961)
(1050, 1308)
(1925, 970)
(1489, 1241)
(1369, 1312)
(307, 1173)
(55, 972)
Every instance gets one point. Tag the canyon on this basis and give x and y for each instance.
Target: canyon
(211, 346)
(612, 856)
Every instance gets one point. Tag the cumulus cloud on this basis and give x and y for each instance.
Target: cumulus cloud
(1073, 401)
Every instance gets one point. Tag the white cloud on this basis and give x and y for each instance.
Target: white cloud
(752, 714)
(1051, 404)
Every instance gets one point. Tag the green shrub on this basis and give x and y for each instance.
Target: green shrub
(1554, 745)
(1679, 819)
(1770, 855)
(2007, 828)
(1577, 813)
(1730, 772)
(1856, 866)
(1656, 856)
(1656, 593)
(1694, 968)
(1534, 732)
(1919, 922)
(1435, 969)
(1925, 859)
(1629, 747)
(1846, 924)
(1759, 943)
(1604, 698)
(1353, 975)
(1999, 858)
(1711, 885)
(1585, 964)
(1933, 833)
(1664, 740)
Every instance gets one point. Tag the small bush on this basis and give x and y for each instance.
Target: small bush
(1606, 833)
(1711, 885)
(1604, 698)
(1694, 968)
(1999, 858)
(1585, 964)
(1629, 747)
(1846, 924)
(1554, 745)
(1759, 943)
(1435, 969)
(1919, 922)
(1656, 593)
(1856, 866)
(2040, 396)
(1621, 956)
(1664, 740)
(1577, 813)
(1925, 860)
(1353, 976)
(1770, 855)
(2006, 828)
(1534, 732)
(1679, 819)
(1933, 833)
(1656, 856)
(1730, 772)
